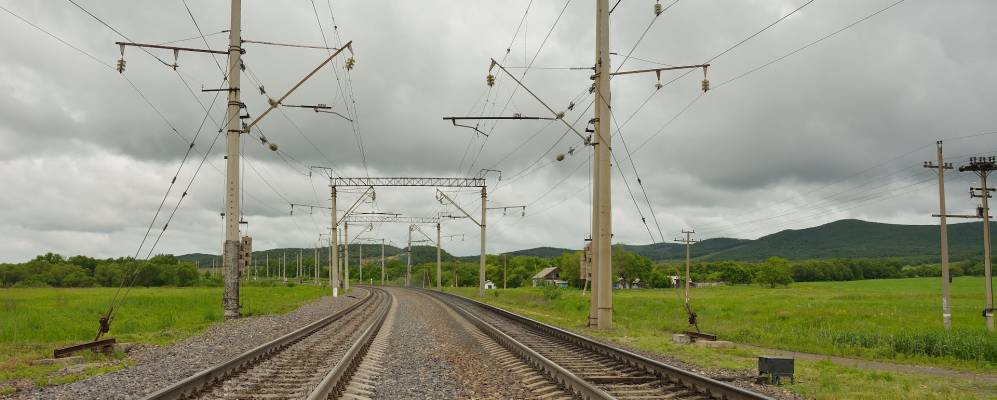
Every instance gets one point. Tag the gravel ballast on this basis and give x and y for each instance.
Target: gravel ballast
(157, 367)
(433, 356)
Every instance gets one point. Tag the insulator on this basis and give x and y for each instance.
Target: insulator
(273, 103)
(490, 80)
(560, 115)
(571, 106)
(273, 146)
(592, 89)
(706, 85)
(657, 8)
(658, 85)
(121, 65)
(350, 62)
(560, 157)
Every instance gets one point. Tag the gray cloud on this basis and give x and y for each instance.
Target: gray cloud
(86, 162)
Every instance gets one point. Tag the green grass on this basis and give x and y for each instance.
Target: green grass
(35, 321)
(888, 320)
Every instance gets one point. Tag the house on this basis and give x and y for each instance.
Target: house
(549, 276)
(489, 285)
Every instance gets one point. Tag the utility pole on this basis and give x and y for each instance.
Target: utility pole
(334, 247)
(602, 218)
(283, 267)
(346, 256)
(299, 266)
(439, 262)
(360, 264)
(940, 169)
(505, 270)
(315, 263)
(382, 261)
(408, 268)
(481, 268)
(233, 210)
(982, 167)
(268, 265)
(688, 241)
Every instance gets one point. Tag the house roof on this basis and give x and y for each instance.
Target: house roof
(544, 272)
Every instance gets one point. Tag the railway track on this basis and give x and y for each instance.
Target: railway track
(314, 362)
(589, 369)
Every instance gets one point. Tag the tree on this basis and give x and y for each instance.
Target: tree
(629, 265)
(774, 271)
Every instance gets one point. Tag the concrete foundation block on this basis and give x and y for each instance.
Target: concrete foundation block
(59, 361)
(716, 344)
(681, 338)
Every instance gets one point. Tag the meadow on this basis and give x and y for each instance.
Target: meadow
(33, 321)
(892, 320)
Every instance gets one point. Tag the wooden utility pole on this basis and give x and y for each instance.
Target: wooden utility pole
(602, 218)
(299, 266)
(360, 264)
(982, 167)
(688, 241)
(382, 262)
(283, 266)
(940, 169)
(505, 270)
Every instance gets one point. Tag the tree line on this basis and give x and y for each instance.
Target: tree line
(517, 271)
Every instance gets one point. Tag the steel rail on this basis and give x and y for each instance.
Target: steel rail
(213, 375)
(561, 376)
(688, 379)
(332, 383)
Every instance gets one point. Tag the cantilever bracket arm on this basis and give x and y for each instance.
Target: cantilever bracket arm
(475, 128)
(638, 71)
(443, 196)
(275, 103)
(349, 211)
(556, 114)
(417, 228)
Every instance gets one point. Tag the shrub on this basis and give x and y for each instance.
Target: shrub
(551, 292)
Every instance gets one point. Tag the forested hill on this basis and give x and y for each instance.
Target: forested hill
(852, 238)
(847, 238)
(371, 253)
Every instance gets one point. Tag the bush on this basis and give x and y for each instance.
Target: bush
(551, 292)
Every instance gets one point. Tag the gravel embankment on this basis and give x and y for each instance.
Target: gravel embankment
(157, 367)
(433, 356)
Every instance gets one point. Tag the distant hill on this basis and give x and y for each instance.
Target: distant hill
(545, 252)
(851, 238)
(847, 238)
(420, 254)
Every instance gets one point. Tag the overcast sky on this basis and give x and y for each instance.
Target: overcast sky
(837, 130)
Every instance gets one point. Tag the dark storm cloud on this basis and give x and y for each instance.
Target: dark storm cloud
(89, 161)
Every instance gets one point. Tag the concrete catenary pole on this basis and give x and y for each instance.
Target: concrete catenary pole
(439, 259)
(299, 266)
(382, 262)
(505, 271)
(944, 244)
(602, 238)
(481, 267)
(315, 264)
(230, 249)
(408, 266)
(360, 264)
(346, 256)
(334, 248)
(283, 266)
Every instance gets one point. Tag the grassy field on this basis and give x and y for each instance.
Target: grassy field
(34, 321)
(888, 320)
